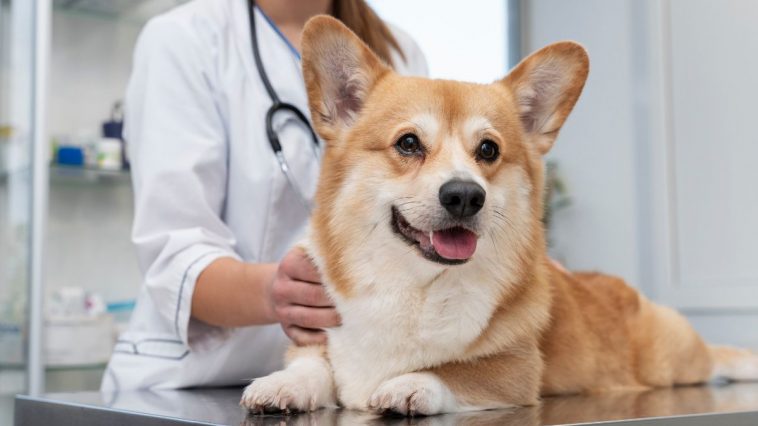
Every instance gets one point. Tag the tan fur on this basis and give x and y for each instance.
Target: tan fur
(605, 335)
(552, 332)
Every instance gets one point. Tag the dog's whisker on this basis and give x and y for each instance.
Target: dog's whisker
(494, 244)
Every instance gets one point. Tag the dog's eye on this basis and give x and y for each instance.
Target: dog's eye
(487, 151)
(408, 144)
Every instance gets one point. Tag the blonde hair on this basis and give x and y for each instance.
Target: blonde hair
(359, 17)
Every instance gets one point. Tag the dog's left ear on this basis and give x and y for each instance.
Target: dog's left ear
(545, 86)
(339, 71)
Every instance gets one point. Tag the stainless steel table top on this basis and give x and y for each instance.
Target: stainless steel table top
(730, 404)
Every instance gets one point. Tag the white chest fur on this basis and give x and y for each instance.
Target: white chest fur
(398, 328)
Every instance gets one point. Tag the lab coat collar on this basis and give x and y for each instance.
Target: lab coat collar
(274, 49)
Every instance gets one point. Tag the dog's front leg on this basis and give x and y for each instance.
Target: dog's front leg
(306, 384)
(498, 381)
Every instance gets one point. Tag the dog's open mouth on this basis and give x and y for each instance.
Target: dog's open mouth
(451, 246)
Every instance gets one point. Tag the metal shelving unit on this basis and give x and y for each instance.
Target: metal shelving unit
(134, 11)
(85, 175)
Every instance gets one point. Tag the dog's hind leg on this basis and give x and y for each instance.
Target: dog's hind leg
(669, 350)
(306, 384)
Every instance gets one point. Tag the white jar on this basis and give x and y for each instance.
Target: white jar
(109, 154)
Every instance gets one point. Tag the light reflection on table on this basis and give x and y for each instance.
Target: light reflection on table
(219, 406)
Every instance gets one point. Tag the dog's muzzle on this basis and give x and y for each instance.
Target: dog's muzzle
(450, 246)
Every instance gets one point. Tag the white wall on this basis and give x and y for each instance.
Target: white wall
(659, 153)
(596, 148)
(460, 41)
(714, 145)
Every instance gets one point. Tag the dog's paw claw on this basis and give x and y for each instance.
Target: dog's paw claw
(409, 395)
(280, 392)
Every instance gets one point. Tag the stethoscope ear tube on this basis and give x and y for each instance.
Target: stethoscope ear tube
(257, 56)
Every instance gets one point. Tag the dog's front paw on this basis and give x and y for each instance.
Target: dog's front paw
(412, 394)
(284, 391)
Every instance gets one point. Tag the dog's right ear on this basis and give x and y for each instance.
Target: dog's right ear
(339, 71)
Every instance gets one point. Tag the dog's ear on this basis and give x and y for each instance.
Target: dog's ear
(545, 87)
(339, 71)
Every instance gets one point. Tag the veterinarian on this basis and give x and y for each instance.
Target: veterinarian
(219, 201)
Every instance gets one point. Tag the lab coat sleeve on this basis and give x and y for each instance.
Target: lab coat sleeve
(177, 145)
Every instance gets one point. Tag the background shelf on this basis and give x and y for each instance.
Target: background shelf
(67, 174)
(132, 11)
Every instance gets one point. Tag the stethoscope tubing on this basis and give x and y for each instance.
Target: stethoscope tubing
(276, 106)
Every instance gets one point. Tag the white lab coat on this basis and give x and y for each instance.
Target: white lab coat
(207, 185)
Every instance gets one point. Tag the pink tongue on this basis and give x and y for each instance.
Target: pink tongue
(456, 243)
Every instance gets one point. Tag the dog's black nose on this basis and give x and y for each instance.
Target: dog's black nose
(462, 198)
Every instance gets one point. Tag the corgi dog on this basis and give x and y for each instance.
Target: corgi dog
(427, 232)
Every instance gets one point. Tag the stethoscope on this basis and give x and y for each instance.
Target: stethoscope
(278, 106)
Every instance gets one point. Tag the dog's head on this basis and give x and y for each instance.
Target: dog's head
(436, 173)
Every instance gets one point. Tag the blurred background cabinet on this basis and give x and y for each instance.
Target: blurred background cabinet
(660, 152)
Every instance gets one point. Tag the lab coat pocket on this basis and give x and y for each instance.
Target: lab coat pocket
(151, 345)
(144, 360)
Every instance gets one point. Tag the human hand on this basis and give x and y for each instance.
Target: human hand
(299, 302)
